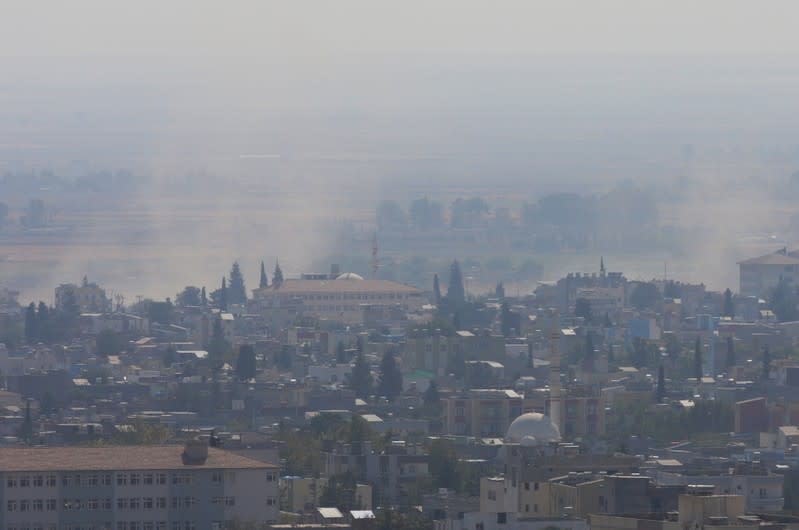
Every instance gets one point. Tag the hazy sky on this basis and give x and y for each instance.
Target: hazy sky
(336, 29)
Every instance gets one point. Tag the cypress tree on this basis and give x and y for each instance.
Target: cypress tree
(661, 388)
(203, 297)
(766, 361)
(456, 293)
(31, 331)
(360, 380)
(264, 278)
(390, 380)
(237, 292)
(730, 353)
(277, 276)
(698, 359)
(223, 296)
(436, 290)
(729, 305)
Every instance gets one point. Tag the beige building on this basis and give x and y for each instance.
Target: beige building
(343, 299)
(481, 412)
(134, 488)
(89, 297)
(761, 274)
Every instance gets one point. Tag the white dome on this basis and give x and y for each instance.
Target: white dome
(350, 276)
(532, 429)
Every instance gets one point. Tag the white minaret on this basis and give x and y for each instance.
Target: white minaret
(555, 404)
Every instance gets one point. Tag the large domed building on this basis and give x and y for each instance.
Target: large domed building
(532, 429)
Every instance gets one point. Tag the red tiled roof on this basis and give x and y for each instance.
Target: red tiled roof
(139, 457)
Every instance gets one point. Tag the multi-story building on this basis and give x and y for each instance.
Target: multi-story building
(481, 412)
(134, 488)
(88, 297)
(434, 352)
(342, 299)
(761, 274)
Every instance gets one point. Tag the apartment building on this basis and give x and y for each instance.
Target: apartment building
(133, 488)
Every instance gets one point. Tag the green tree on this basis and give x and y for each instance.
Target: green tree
(431, 396)
(170, 356)
(189, 296)
(588, 354)
(340, 492)
(237, 292)
(26, 429)
(645, 296)
(223, 296)
(729, 304)
(203, 297)
(277, 276)
(730, 362)
(245, 364)
(389, 383)
(436, 290)
(443, 465)
(507, 321)
(341, 353)
(661, 388)
(31, 329)
(218, 347)
(698, 359)
(360, 380)
(264, 278)
(456, 293)
(784, 301)
(766, 362)
(160, 312)
(109, 342)
(582, 308)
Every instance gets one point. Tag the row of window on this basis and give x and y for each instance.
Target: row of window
(123, 525)
(351, 296)
(95, 479)
(35, 505)
(107, 504)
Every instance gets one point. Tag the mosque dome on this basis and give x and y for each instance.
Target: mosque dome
(349, 276)
(532, 429)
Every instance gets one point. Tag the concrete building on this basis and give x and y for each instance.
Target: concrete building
(89, 297)
(341, 299)
(134, 488)
(481, 412)
(761, 274)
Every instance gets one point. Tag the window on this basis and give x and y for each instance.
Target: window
(135, 479)
(38, 505)
(147, 526)
(492, 495)
(160, 503)
(217, 477)
(11, 506)
(122, 503)
(230, 501)
(93, 480)
(147, 503)
(271, 501)
(24, 505)
(230, 476)
(502, 518)
(11, 482)
(122, 479)
(527, 486)
(147, 478)
(134, 503)
(24, 481)
(107, 504)
(51, 481)
(535, 486)
(122, 526)
(66, 480)
(107, 479)
(76, 480)
(51, 505)
(160, 478)
(38, 481)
